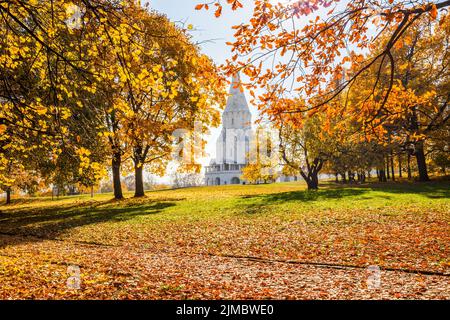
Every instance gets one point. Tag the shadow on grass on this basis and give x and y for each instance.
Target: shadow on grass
(305, 195)
(332, 191)
(49, 223)
(258, 203)
(432, 190)
(30, 200)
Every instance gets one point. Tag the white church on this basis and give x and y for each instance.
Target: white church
(233, 144)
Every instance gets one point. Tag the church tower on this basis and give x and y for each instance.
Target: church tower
(233, 144)
(237, 114)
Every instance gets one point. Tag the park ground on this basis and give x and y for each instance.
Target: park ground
(275, 241)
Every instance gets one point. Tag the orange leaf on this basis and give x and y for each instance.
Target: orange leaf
(218, 11)
(434, 12)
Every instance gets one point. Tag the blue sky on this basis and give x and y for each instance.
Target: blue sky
(212, 33)
(217, 31)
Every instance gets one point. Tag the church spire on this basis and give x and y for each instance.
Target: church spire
(236, 100)
(236, 86)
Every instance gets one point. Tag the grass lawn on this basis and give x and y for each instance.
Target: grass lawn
(266, 241)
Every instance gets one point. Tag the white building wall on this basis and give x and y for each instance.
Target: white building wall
(232, 146)
(225, 178)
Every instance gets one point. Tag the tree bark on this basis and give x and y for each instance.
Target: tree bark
(117, 185)
(312, 181)
(362, 177)
(382, 175)
(418, 150)
(351, 176)
(139, 181)
(409, 166)
(312, 175)
(8, 196)
(392, 166)
(388, 176)
(139, 155)
(421, 162)
(400, 174)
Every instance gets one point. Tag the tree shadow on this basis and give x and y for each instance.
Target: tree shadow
(50, 223)
(261, 202)
(31, 200)
(333, 191)
(307, 196)
(432, 190)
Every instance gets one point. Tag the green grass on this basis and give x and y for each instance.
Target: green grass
(276, 220)
(286, 201)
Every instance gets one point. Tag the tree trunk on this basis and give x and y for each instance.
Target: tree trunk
(418, 150)
(421, 162)
(313, 182)
(362, 177)
(336, 178)
(400, 174)
(409, 166)
(344, 177)
(139, 181)
(388, 175)
(116, 162)
(382, 175)
(8, 196)
(392, 166)
(351, 176)
(312, 176)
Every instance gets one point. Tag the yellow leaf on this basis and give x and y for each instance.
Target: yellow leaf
(41, 110)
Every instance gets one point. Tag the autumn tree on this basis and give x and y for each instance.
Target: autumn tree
(263, 158)
(438, 150)
(163, 84)
(304, 147)
(417, 106)
(178, 87)
(56, 56)
(288, 58)
(47, 66)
